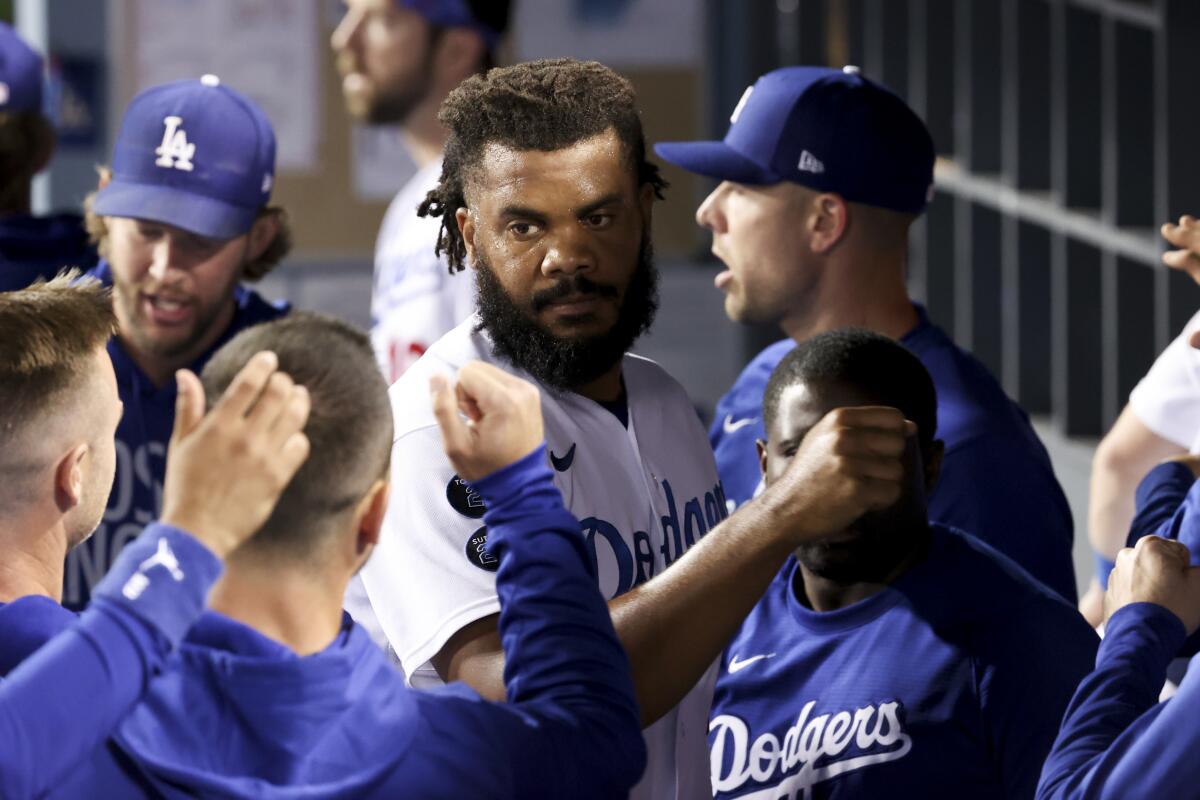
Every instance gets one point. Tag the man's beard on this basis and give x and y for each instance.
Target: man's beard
(184, 341)
(566, 362)
(397, 105)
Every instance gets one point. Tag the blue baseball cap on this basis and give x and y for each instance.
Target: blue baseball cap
(456, 14)
(20, 73)
(194, 154)
(828, 129)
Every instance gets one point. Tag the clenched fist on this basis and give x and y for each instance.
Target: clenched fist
(849, 463)
(503, 418)
(1156, 571)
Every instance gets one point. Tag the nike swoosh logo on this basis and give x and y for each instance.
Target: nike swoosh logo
(738, 666)
(732, 427)
(563, 463)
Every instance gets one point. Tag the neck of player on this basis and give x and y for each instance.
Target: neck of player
(424, 137)
(32, 565)
(822, 594)
(864, 290)
(605, 389)
(297, 606)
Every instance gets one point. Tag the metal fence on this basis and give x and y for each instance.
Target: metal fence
(1067, 130)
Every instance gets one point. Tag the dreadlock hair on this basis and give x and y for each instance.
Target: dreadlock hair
(542, 105)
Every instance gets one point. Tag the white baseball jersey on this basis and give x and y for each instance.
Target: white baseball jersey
(643, 494)
(415, 299)
(1167, 399)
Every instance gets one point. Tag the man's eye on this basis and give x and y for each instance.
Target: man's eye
(522, 229)
(598, 220)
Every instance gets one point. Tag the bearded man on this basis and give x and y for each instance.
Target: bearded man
(181, 219)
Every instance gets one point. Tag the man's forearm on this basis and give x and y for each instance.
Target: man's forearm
(675, 625)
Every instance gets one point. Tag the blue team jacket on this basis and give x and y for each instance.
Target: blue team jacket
(997, 482)
(237, 715)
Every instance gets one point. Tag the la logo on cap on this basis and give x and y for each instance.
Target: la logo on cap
(175, 151)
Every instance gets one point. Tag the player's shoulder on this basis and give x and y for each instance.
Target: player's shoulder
(409, 395)
(987, 589)
(648, 383)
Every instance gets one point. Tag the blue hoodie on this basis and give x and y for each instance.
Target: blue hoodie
(38, 247)
(238, 715)
(60, 704)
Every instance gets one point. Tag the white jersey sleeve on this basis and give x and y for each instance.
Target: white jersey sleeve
(415, 300)
(1167, 399)
(433, 537)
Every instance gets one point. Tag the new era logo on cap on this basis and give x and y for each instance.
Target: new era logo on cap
(810, 163)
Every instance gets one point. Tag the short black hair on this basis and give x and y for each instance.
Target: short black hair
(879, 368)
(349, 427)
(542, 105)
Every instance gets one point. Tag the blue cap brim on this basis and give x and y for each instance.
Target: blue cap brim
(716, 160)
(194, 213)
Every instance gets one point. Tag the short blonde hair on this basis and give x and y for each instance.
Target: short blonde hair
(48, 333)
(255, 269)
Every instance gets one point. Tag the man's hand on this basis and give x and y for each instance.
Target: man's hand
(1156, 571)
(849, 463)
(226, 470)
(503, 418)
(1186, 237)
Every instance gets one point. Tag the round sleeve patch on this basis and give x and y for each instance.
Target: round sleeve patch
(478, 554)
(464, 499)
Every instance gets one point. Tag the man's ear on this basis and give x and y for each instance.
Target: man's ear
(459, 55)
(933, 465)
(68, 478)
(370, 521)
(466, 229)
(828, 217)
(263, 232)
(761, 446)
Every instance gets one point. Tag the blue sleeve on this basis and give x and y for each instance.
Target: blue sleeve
(571, 727)
(1162, 500)
(1023, 702)
(63, 701)
(1115, 742)
(1104, 568)
(998, 492)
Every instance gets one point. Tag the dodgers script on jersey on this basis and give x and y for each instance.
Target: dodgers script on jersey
(643, 495)
(925, 689)
(415, 300)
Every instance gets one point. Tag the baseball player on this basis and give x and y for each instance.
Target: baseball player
(181, 220)
(896, 657)
(1161, 420)
(822, 172)
(547, 194)
(398, 60)
(277, 693)
(30, 247)
(226, 472)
